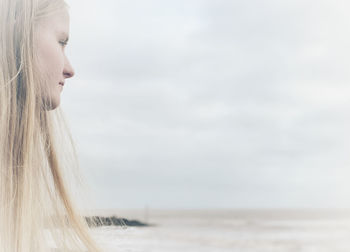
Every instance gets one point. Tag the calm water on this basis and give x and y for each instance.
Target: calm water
(224, 230)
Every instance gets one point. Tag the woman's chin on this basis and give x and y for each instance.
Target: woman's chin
(51, 104)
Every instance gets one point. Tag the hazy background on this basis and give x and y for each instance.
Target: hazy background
(211, 103)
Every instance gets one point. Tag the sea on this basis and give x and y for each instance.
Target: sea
(226, 230)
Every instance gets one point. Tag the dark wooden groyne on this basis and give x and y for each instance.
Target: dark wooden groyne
(113, 221)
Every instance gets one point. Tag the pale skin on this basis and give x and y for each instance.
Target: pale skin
(50, 40)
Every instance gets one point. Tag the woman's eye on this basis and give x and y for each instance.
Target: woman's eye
(64, 43)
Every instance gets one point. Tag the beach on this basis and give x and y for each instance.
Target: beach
(228, 230)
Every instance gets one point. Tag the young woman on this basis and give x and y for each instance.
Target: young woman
(37, 157)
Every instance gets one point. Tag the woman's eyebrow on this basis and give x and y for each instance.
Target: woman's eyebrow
(64, 34)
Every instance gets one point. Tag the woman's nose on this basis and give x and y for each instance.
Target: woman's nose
(68, 70)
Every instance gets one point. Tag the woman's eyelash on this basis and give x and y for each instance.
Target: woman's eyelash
(64, 43)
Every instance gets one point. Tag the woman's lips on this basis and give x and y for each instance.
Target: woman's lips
(61, 83)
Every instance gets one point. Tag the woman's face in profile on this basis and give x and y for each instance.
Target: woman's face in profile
(50, 38)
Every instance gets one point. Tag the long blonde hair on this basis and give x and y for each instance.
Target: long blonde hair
(38, 164)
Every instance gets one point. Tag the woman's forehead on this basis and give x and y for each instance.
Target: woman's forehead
(57, 22)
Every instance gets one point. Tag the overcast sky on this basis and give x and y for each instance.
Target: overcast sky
(211, 103)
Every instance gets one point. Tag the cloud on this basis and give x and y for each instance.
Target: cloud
(211, 103)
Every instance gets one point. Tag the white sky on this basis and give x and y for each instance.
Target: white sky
(211, 103)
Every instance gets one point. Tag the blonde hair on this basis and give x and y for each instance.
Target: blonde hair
(38, 163)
